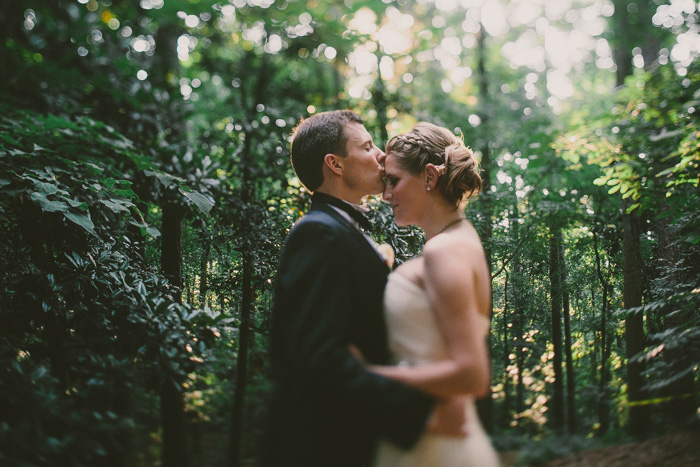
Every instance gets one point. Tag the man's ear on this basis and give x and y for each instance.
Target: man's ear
(334, 163)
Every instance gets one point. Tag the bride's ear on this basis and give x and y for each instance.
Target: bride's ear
(431, 176)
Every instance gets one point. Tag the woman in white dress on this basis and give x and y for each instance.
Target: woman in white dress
(437, 305)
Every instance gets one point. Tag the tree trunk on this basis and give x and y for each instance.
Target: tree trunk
(506, 359)
(204, 268)
(519, 325)
(246, 306)
(380, 105)
(632, 28)
(626, 34)
(640, 415)
(486, 404)
(603, 389)
(570, 376)
(557, 406)
(242, 362)
(682, 407)
(623, 42)
(520, 365)
(172, 404)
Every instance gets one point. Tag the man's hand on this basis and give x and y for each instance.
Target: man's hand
(357, 354)
(449, 417)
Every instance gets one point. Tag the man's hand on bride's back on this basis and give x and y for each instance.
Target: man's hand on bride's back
(355, 352)
(449, 417)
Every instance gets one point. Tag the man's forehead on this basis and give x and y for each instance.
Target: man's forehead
(357, 132)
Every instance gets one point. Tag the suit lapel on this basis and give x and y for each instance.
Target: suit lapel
(362, 241)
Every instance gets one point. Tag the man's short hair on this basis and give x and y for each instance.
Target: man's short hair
(316, 136)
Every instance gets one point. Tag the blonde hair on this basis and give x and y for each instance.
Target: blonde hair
(427, 144)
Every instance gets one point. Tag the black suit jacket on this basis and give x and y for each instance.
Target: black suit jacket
(326, 408)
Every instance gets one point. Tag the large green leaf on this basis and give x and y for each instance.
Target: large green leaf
(117, 205)
(202, 202)
(82, 220)
(48, 205)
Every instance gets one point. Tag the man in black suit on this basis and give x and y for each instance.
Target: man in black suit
(326, 408)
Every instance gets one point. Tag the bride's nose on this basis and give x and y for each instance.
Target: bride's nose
(386, 194)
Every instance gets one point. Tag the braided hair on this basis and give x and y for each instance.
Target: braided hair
(426, 144)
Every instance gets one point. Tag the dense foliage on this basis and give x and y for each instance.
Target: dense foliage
(145, 193)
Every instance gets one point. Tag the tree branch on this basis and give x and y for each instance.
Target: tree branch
(505, 263)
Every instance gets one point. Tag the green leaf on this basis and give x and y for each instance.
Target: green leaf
(78, 204)
(47, 205)
(125, 193)
(95, 166)
(4, 182)
(153, 232)
(117, 205)
(142, 162)
(165, 179)
(632, 208)
(146, 229)
(82, 220)
(199, 199)
(46, 188)
(666, 172)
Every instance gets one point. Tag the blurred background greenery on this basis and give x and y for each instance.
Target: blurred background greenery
(145, 192)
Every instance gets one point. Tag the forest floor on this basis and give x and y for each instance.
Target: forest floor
(679, 449)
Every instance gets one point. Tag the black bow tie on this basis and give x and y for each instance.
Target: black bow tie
(344, 206)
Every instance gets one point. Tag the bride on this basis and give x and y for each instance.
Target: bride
(437, 305)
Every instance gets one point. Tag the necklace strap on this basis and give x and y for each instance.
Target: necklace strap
(450, 224)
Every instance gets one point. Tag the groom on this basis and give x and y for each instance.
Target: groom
(326, 408)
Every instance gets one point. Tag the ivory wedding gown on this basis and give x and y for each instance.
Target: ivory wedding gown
(414, 338)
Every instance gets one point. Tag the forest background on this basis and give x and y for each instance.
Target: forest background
(145, 192)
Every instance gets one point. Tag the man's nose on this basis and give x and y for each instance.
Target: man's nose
(381, 157)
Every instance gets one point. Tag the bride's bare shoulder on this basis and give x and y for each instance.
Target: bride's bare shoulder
(412, 270)
(456, 245)
(455, 254)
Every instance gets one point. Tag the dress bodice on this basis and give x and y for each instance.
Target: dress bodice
(414, 339)
(414, 335)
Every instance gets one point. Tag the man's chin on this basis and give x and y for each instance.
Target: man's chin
(374, 193)
(379, 189)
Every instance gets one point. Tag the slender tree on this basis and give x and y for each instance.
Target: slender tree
(486, 407)
(568, 349)
(507, 349)
(555, 275)
(640, 414)
(604, 381)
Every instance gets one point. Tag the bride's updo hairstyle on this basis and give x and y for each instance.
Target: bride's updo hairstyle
(431, 144)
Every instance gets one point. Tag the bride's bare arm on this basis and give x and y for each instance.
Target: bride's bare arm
(457, 283)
